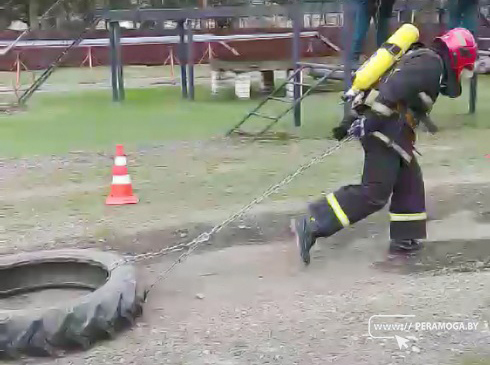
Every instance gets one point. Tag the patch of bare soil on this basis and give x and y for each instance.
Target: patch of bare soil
(268, 226)
(258, 305)
(247, 299)
(244, 297)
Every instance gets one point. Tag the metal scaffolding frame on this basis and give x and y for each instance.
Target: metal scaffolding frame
(182, 17)
(184, 30)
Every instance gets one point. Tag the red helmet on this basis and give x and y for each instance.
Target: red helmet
(462, 49)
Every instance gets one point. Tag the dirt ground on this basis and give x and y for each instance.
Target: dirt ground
(244, 298)
(255, 304)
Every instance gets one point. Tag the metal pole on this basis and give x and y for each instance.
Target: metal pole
(474, 84)
(347, 38)
(113, 51)
(440, 17)
(120, 78)
(473, 92)
(182, 58)
(190, 56)
(297, 18)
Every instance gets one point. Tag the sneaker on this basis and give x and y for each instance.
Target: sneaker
(304, 237)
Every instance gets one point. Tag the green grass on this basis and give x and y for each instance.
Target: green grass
(476, 361)
(59, 123)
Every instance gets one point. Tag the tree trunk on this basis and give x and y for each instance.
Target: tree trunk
(34, 14)
(62, 18)
(4, 20)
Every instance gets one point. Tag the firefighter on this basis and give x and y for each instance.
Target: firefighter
(385, 128)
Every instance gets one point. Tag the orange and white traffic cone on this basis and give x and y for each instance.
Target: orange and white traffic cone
(121, 188)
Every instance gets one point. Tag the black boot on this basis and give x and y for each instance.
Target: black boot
(321, 221)
(407, 247)
(305, 238)
(401, 254)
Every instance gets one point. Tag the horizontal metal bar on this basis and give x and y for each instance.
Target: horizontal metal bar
(301, 84)
(264, 116)
(336, 76)
(158, 40)
(226, 12)
(279, 99)
(321, 65)
(216, 12)
(193, 13)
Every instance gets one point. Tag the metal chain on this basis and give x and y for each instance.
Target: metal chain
(204, 237)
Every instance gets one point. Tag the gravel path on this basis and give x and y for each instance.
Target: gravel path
(256, 304)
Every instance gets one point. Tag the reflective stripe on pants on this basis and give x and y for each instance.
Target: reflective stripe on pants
(397, 217)
(339, 212)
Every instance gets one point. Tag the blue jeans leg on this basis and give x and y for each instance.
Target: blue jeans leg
(361, 27)
(470, 15)
(454, 14)
(385, 12)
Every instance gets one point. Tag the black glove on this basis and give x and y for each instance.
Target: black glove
(340, 132)
(425, 119)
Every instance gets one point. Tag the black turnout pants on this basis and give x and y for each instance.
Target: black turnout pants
(385, 175)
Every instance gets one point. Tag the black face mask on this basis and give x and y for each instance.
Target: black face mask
(450, 86)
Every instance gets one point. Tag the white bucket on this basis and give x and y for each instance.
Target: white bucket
(242, 85)
(217, 82)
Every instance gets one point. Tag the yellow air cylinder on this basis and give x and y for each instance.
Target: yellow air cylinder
(384, 58)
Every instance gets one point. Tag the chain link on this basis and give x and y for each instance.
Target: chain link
(206, 236)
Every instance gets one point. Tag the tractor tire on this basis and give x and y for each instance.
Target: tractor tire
(113, 303)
